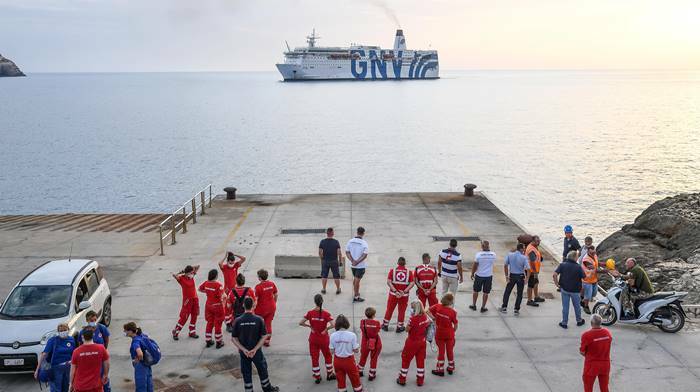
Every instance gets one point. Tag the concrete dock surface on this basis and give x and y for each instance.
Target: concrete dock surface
(494, 352)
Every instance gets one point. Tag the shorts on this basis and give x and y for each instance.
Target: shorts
(590, 290)
(532, 281)
(358, 272)
(331, 265)
(482, 284)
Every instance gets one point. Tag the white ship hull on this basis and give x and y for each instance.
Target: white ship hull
(367, 71)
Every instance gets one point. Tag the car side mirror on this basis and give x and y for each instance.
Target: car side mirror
(84, 305)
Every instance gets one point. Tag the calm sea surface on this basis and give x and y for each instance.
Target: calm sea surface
(591, 149)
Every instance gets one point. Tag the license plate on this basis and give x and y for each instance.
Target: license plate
(14, 362)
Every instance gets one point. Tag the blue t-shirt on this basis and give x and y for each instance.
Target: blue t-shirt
(101, 332)
(517, 263)
(570, 275)
(135, 343)
(60, 350)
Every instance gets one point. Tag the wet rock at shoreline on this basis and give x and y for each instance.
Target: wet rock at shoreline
(665, 240)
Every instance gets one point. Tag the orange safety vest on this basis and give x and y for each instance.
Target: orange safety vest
(534, 265)
(591, 275)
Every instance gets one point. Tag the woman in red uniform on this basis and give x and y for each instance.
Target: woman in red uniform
(190, 302)
(400, 282)
(266, 293)
(445, 327)
(426, 280)
(213, 308)
(234, 301)
(371, 343)
(319, 321)
(229, 268)
(344, 345)
(415, 344)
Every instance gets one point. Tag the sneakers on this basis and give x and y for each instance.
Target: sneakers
(438, 373)
(532, 303)
(586, 309)
(317, 380)
(503, 310)
(385, 328)
(358, 299)
(400, 329)
(580, 322)
(484, 310)
(516, 312)
(271, 388)
(401, 382)
(361, 373)
(371, 377)
(330, 377)
(419, 382)
(337, 292)
(323, 291)
(209, 343)
(175, 337)
(450, 371)
(194, 335)
(539, 299)
(563, 325)
(472, 307)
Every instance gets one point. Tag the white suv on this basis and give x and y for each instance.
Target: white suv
(55, 292)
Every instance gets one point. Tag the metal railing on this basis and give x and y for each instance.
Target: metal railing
(179, 218)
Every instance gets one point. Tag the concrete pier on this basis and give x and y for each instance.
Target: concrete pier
(494, 352)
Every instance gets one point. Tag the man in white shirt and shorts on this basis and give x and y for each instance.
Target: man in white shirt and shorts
(356, 250)
(482, 275)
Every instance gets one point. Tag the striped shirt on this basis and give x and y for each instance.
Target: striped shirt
(450, 258)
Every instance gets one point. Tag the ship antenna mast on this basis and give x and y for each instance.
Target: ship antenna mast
(311, 39)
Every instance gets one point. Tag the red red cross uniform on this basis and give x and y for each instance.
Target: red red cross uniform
(190, 305)
(319, 341)
(231, 300)
(445, 325)
(371, 346)
(266, 307)
(400, 278)
(595, 345)
(425, 275)
(414, 348)
(213, 309)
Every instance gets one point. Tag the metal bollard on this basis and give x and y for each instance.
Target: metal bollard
(469, 190)
(230, 193)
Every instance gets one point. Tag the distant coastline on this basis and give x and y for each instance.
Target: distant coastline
(9, 68)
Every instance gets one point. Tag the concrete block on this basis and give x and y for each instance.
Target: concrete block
(301, 267)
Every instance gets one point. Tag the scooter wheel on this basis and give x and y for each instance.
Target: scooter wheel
(607, 313)
(677, 321)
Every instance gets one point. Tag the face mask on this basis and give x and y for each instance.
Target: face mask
(126, 334)
(92, 324)
(63, 334)
(190, 276)
(412, 312)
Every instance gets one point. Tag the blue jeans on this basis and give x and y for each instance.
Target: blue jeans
(61, 378)
(247, 370)
(143, 377)
(575, 298)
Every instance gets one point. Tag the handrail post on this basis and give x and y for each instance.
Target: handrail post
(209, 195)
(160, 230)
(184, 219)
(173, 229)
(194, 211)
(201, 195)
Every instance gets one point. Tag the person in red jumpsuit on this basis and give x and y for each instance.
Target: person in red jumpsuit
(445, 327)
(344, 345)
(234, 301)
(595, 347)
(213, 309)
(190, 302)
(415, 344)
(266, 293)
(229, 268)
(426, 279)
(319, 321)
(371, 345)
(400, 282)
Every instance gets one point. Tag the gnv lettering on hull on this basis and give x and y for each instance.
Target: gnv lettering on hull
(376, 66)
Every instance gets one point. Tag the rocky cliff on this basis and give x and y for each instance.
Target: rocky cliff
(8, 68)
(665, 240)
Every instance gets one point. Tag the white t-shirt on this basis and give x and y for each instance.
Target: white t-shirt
(485, 260)
(343, 343)
(357, 247)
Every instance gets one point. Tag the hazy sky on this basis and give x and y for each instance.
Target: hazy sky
(234, 35)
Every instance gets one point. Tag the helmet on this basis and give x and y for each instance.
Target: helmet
(610, 264)
(568, 229)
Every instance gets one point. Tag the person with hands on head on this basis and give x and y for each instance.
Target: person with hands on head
(229, 266)
(143, 374)
(320, 322)
(248, 336)
(400, 282)
(58, 352)
(190, 301)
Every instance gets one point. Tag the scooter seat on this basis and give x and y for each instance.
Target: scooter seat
(655, 296)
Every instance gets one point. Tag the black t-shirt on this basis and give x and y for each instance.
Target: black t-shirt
(330, 248)
(570, 275)
(249, 328)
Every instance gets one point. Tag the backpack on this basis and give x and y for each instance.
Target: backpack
(151, 351)
(238, 308)
(430, 332)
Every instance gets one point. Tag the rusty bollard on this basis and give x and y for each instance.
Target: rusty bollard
(230, 193)
(469, 190)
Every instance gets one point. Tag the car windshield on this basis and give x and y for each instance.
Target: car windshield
(30, 302)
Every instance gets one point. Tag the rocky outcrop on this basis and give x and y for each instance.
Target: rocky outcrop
(665, 240)
(8, 68)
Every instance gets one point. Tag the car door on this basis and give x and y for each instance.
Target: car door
(81, 293)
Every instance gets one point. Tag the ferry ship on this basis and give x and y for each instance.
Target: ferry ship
(358, 62)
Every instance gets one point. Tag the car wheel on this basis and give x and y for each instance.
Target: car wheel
(107, 312)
